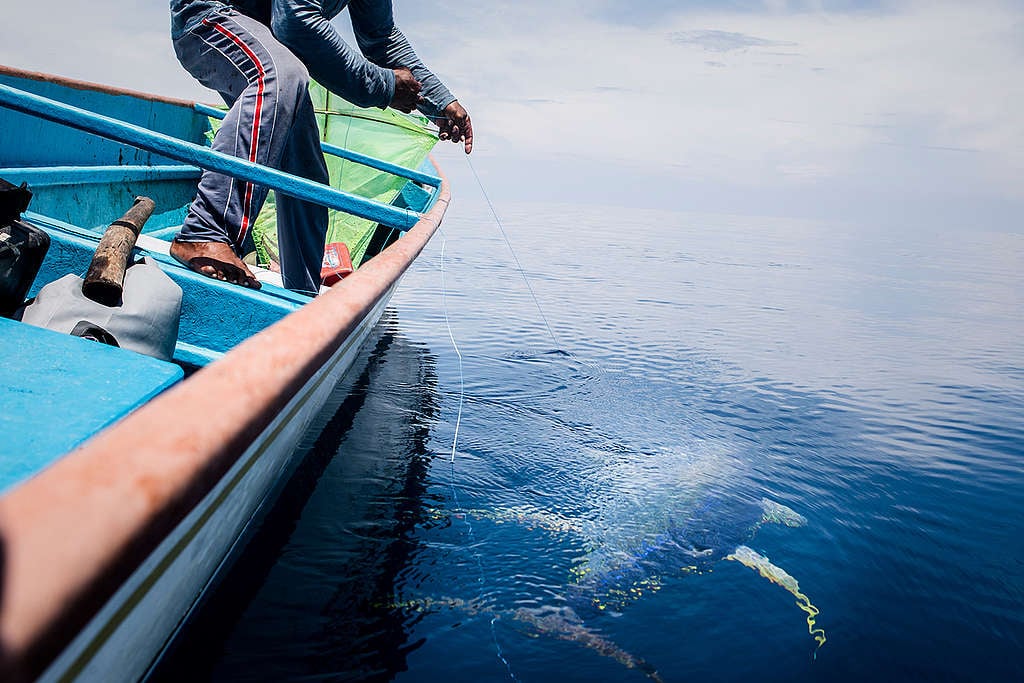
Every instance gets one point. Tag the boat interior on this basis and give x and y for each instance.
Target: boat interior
(80, 183)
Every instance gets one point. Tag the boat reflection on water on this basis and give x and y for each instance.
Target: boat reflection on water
(308, 595)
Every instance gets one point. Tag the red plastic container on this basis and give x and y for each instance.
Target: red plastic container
(337, 263)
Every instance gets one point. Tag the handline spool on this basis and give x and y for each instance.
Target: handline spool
(104, 281)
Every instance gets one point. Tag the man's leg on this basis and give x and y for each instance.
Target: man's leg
(302, 226)
(264, 83)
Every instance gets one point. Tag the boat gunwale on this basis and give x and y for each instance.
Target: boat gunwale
(77, 84)
(71, 535)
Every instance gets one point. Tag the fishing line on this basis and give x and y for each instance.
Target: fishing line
(451, 463)
(451, 336)
(437, 121)
(508, 243)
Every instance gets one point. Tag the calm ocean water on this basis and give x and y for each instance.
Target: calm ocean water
(868, 377)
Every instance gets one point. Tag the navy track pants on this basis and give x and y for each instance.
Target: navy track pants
(271, 122)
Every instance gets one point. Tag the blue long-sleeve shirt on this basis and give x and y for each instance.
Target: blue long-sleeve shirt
(304, 27)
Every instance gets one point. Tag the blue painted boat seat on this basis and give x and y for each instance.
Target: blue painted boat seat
(44, 373)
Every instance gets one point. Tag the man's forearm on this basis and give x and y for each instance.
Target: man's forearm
(366, 79)
(302, 27)
(396, 52)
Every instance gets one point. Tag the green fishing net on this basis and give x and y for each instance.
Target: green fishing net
(402, 139)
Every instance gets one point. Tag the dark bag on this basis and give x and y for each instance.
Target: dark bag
(22, 248)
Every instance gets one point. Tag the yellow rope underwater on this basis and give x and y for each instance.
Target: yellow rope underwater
(780, 577)
(805, 604)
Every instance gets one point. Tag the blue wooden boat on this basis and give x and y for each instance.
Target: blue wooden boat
(126, 487)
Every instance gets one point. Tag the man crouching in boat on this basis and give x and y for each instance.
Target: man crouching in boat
(259, 55)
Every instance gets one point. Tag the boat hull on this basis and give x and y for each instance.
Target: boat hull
(126, 636)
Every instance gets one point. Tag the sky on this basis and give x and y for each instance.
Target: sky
(877, 110)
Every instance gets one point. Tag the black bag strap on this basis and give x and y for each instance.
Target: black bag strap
(88, 330)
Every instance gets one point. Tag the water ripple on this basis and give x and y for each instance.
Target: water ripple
(869, 380)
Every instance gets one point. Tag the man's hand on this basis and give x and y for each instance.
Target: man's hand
(456, 126)
(407, 91)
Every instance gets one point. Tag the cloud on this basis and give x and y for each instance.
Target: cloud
(878, 98)
(905, 81)
(723, 41)
(654, 13)
(113, 42)
(610, 88)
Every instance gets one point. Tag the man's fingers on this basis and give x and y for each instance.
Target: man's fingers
(457, 127)
(407, 91)
(468, 135)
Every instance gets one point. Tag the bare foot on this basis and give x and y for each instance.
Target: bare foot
(216, 260)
